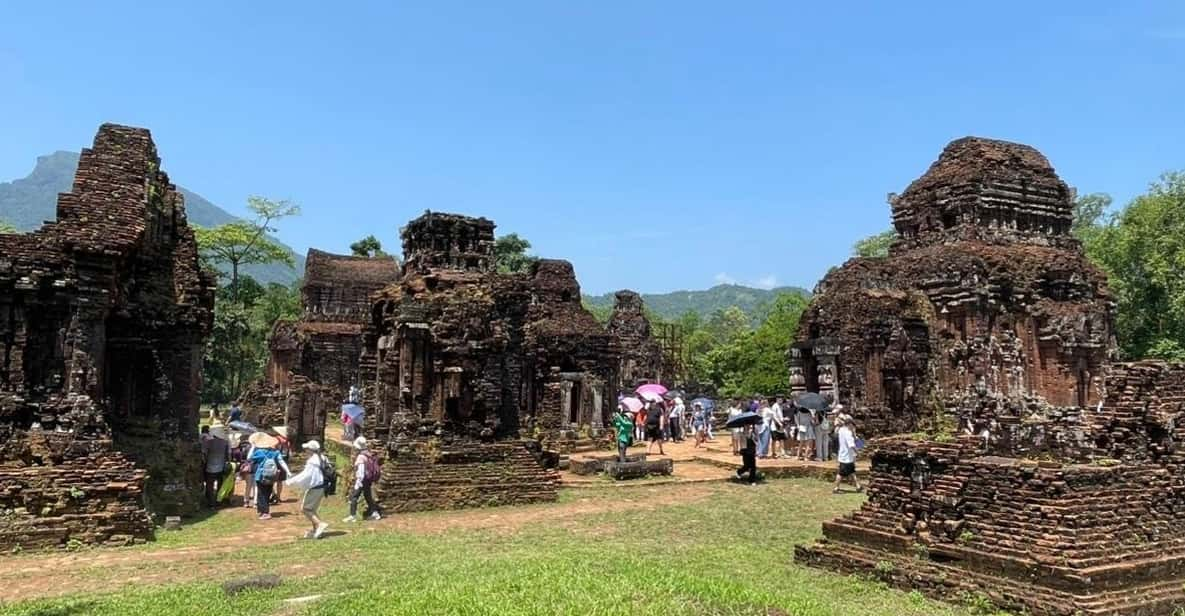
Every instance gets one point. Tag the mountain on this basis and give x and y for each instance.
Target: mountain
(32, 200)
(671, 306)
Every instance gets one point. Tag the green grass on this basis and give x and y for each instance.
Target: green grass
(727, 553)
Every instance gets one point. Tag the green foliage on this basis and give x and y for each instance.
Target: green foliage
(600, 312)
(1142, 249)
(7, 228)
(674, 306)
(875, 245)
(510, 254)
(369, 246)
(738, 359)
(237, 349)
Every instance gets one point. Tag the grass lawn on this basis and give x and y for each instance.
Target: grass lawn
(716, 549)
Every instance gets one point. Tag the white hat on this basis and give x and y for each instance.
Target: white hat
(312, 446)
(360, 443)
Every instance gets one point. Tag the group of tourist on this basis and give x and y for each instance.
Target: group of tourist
(260, 460)
(785, 430)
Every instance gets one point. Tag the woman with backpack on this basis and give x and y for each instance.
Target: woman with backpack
(268, 464)
(317, 479)
(366, 473)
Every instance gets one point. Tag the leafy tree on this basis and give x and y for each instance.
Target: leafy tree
(1088, 214)
(875, 245)
(242, 242)
(368, 246)
(238, 345)
(1142, 249)
(510, 254)
(5, 227)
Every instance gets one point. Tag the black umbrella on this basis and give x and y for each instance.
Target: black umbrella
(747, 418)
(811, 400)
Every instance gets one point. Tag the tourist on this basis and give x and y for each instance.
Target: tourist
(242, 455)
(215, 456)
(624, 427)
(236, 413)
(840, 415)
(311, 479)
(285, 448)
(268, 465)
(804, 424)
(708, 420)
(748, 456)
(847, 456)
(733, 410)
(355, 395)
(778, 427)
(640, 425)
(699, 430)
(676, 424)
(823, 435)
(366, 473)
(656, 424)
(765, 434)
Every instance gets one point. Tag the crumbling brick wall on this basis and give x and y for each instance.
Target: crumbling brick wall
(640, 358)
(103, 314)
(984, 290)
(472, 360)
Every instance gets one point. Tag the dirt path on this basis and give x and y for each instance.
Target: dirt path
(56, 574)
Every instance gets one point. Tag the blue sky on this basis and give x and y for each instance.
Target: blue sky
(657, 145)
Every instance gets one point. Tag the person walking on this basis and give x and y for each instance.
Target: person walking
(656, 425)
(778, 429)
(640, 425)
(847, 456)
(311, 479)
(699, 430)
(748, 456)
(236, 412)
(366, 473)
(215, 456)
(246, 470)
(733, 411)
(268, 465)
(624, 426)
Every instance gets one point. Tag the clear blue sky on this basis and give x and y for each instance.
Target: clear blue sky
(657, 145)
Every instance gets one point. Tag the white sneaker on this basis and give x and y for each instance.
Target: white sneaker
(320, 530)
(349, 519)
(376, 516)
(308, 534)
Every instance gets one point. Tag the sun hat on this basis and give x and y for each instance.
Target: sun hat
(263, 440)
(360, 443)
(311, 446)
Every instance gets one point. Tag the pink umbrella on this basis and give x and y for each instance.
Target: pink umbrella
(653, 388)
(633, 404)
(650, 396)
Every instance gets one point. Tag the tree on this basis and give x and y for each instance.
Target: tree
(368, 246)
(239, 341)
(1142, 249)
(510, 254)
(875, 245)
(244, 242)
(1089, 213)
(5, 227)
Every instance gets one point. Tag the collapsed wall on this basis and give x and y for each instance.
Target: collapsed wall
(474, 367)
(1054, 477)
(639, 355)
(103, 314)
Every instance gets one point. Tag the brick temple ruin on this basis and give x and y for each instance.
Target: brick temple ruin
(315, 360)
(640, 356)
(103, 316)
(1048, 479)
(473, 368)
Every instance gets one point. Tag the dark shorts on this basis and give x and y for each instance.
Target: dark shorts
(847, 469)
(653, 433)
(779, 435)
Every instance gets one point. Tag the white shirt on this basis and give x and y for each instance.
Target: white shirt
(733, 412)
(767, 418)
(310, 476)
(847, 445)
(677, 411)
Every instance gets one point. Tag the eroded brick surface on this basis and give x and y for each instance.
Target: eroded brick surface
(103, 314)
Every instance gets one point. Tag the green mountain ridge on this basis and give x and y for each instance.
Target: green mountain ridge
(28, 202)
(671, 306)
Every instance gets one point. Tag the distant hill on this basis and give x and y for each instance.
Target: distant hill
(30, 201)
(673, 305)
